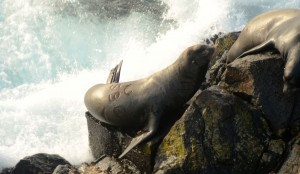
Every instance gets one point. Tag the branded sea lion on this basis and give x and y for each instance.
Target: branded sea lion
(139, 105)
(279, 29)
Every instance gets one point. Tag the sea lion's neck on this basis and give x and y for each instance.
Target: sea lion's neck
(183, 79)
(190, 79)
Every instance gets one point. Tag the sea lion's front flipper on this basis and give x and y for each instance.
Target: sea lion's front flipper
(152, 126)
(259, 48)
(114, 75)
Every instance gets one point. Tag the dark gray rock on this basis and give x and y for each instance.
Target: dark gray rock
(39, 163)
(292, 163)
(111, 141)
(258, 79)
(294, 120)
(219, 133)
(6, 171)
(216, 71)
(103, 138)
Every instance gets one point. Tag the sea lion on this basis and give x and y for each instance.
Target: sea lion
(139, 105)
(279, 29)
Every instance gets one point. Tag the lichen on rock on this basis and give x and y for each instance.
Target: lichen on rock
(218, 133)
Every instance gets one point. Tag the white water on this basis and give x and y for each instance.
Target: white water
(48, 59)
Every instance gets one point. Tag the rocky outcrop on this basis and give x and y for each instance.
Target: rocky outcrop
(65, 169)
(292, 163)
(258, 80)
(110, 165)
(38, 163)
(219, 133)
(106, 140)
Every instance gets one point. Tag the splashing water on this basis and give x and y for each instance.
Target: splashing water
(51, 52)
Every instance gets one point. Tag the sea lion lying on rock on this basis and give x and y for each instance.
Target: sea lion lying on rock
(279, 29)
(139, 105)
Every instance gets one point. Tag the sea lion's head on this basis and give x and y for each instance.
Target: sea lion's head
(198, 55)
(193, 64)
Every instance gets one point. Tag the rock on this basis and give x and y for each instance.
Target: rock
(39, 163)
(103, 138)
(109, 165)
(65, 169)
(6, 171)
(216, 71)
(224, 42)
(292, 163)
(294, 120)
(111, 141)
(113, 165)
(258, 79)
(219, 133)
